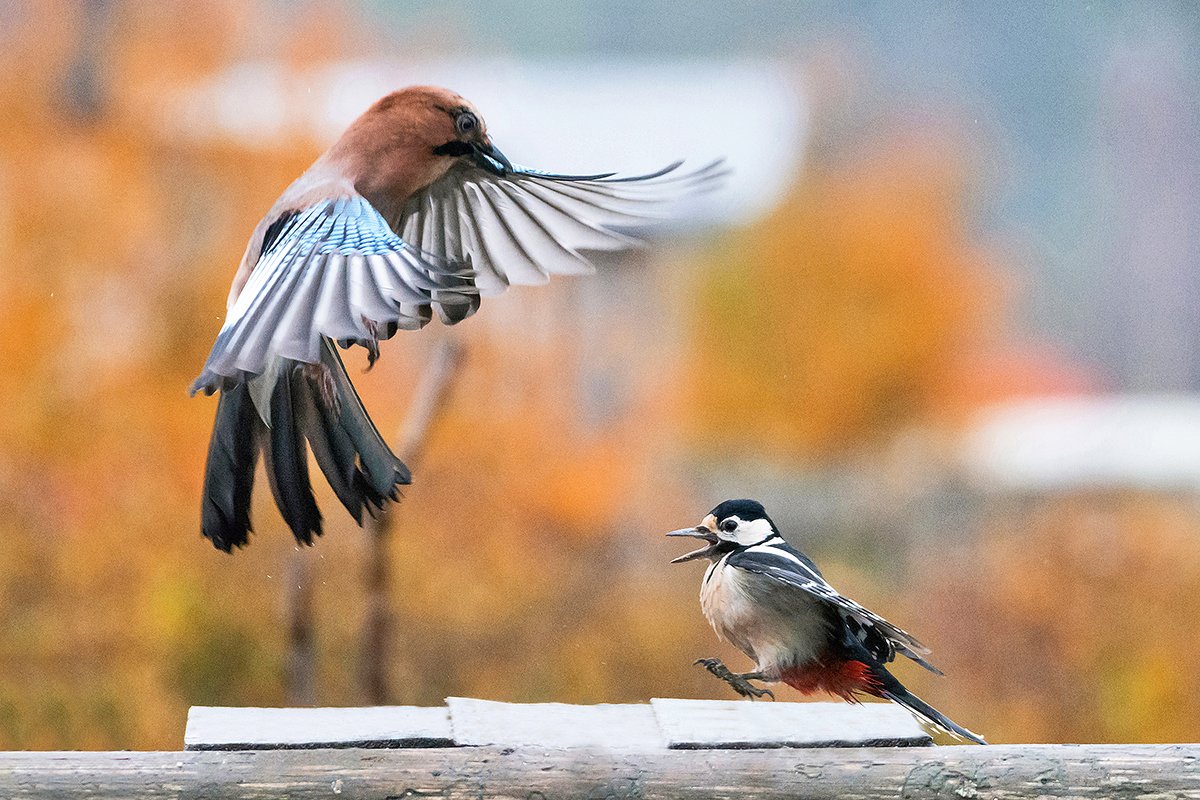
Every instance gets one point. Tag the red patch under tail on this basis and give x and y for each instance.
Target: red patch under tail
(844, 679)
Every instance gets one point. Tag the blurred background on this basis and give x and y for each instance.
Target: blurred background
(942, 321)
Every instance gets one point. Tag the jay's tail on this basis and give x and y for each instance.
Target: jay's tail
(282, 415)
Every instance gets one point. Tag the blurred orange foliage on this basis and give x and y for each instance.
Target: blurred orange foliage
(528, 565)
(833, 323)
(1065, 618)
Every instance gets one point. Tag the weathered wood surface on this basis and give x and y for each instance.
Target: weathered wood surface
(465, 722)
(1144, 772)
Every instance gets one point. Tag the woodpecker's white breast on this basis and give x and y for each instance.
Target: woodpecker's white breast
(776, 625)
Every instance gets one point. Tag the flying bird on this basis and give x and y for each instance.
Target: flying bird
(412, 213)
(770, 601)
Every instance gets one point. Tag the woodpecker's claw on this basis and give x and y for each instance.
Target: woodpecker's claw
(740, 683)
(747, 689)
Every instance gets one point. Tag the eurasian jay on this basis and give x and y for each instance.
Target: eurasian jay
(412, 212)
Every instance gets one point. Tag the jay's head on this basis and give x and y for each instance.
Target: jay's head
(733, 525)
(425, 128)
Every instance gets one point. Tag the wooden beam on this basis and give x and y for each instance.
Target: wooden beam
(1010, 772)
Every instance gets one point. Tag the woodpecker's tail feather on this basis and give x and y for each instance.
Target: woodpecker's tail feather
(305, 407)
(930, 714)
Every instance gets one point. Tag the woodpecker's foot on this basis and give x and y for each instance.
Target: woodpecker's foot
(740, 683)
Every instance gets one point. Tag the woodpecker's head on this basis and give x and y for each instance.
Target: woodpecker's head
(733, 525)
(409, 138)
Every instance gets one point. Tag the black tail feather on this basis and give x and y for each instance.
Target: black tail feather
(286, 459)
(306, 410)
(886, 685)
(335, 454)
(382, 469)
(229, 473)
(930, 714)
(336, 451)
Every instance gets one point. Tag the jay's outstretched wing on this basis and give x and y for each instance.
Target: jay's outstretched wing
(336, 269)
(523, 226)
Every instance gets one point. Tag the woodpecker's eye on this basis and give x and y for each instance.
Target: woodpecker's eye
(729, 525)
(466, 123)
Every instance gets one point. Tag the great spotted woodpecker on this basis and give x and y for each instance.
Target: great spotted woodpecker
(770, 601)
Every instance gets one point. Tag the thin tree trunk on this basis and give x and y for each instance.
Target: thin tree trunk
(300, 684)
(432, 397)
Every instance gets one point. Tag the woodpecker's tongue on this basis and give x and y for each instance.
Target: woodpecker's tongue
(699, 532)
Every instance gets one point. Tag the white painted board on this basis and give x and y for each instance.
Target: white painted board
(719, 724)
(213, 728)
(464, 722)
(611, 726)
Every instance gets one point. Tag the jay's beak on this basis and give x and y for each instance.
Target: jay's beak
(488, 156)
(699, 532)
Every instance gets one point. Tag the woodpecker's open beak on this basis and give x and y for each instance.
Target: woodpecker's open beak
(490, 158)
(699, 532)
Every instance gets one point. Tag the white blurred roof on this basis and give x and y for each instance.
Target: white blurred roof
(568, 116)
(1150, 442)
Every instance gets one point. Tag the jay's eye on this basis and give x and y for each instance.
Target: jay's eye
(729, 525)
(466, 123)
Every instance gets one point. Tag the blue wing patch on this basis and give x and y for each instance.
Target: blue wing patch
(333, 270)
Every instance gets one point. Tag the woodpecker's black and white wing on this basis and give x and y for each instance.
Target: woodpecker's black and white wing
(335, 270)
(524, 226)
(777, 560)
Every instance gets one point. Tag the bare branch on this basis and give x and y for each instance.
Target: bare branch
(431, 399)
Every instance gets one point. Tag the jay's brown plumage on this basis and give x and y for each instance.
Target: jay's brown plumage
(412, 212)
